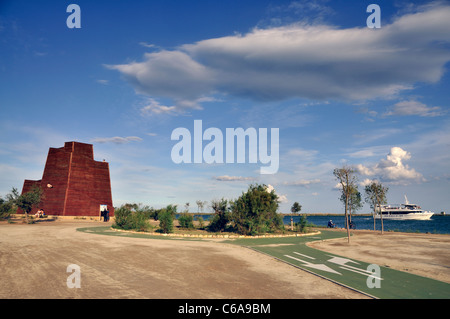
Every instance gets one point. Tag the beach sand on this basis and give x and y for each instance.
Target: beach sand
(34, 260)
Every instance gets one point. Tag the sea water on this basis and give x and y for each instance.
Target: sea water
(438, 224)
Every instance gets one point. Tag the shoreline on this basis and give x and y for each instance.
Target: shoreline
(18, 219)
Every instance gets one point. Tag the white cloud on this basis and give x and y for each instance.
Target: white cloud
(282, 198)
(300, 154)
(306, 11)
(154, 107)
(104, 82)
(363, 153)
(303, 182)
(147, 45)
(412, 107)
(171, 74)
(116, 139)
(392, 169)
(316, 62)
(226, 178)
(365, 182)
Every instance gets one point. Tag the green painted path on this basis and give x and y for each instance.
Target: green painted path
(385, 283)
(373, 280)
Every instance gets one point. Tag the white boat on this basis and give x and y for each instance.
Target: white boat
(405, 211)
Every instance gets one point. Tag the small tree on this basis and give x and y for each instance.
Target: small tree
(221, 216)
(376, 196)
(140, 221)
(354, 201)
(200, 205)
(301, 225)
(166, 217)
(347, 180)
(121, 217)
(165, 222)
(126, 218)
(26, 201)
(296, 207)
(7, 207)
(256, 211)
(201, 222)
(186, 221)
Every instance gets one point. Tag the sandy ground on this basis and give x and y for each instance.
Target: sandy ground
(426, 255)
(34, 260)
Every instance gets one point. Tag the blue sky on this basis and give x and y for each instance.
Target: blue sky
(338, 91)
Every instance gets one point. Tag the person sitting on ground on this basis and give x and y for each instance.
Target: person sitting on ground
(39, 213)
(330, 224)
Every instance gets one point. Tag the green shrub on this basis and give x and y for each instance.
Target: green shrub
(201, 222)
(255, 211)
(147, 211)
(166, 217)
(129, 220)
(121, 218)
(301, 225)
(186, 221)
(221, 217)
(140, 221)
(6, 207)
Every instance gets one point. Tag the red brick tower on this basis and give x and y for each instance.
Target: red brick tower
(73, 183)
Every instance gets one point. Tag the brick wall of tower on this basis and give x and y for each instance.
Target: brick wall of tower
(73, 183)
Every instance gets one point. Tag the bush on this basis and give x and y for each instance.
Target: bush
(256, 211)
(6, 207)
(201, 222)
(121, 218)
(186, 221)
(166, 217)
(221, 217)
(129, 220)
(140, 221)
(148, 212)
(301, 225)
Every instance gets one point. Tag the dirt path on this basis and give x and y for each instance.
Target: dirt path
(34, 259)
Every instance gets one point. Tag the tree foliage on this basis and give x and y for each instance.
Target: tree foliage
(354, 200)
(376, 196)
(186, 221)
(166, 217)
(26, 201)
(296, 207)
(128, 219)
(255, 211)
(303, 224)
(221, 216)
(347, 181)
(6, 208)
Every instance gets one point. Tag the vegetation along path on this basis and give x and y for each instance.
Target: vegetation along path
(370, 279)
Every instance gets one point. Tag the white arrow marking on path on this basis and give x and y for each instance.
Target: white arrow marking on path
(304, 255)
(342, 262)
(316, 266)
